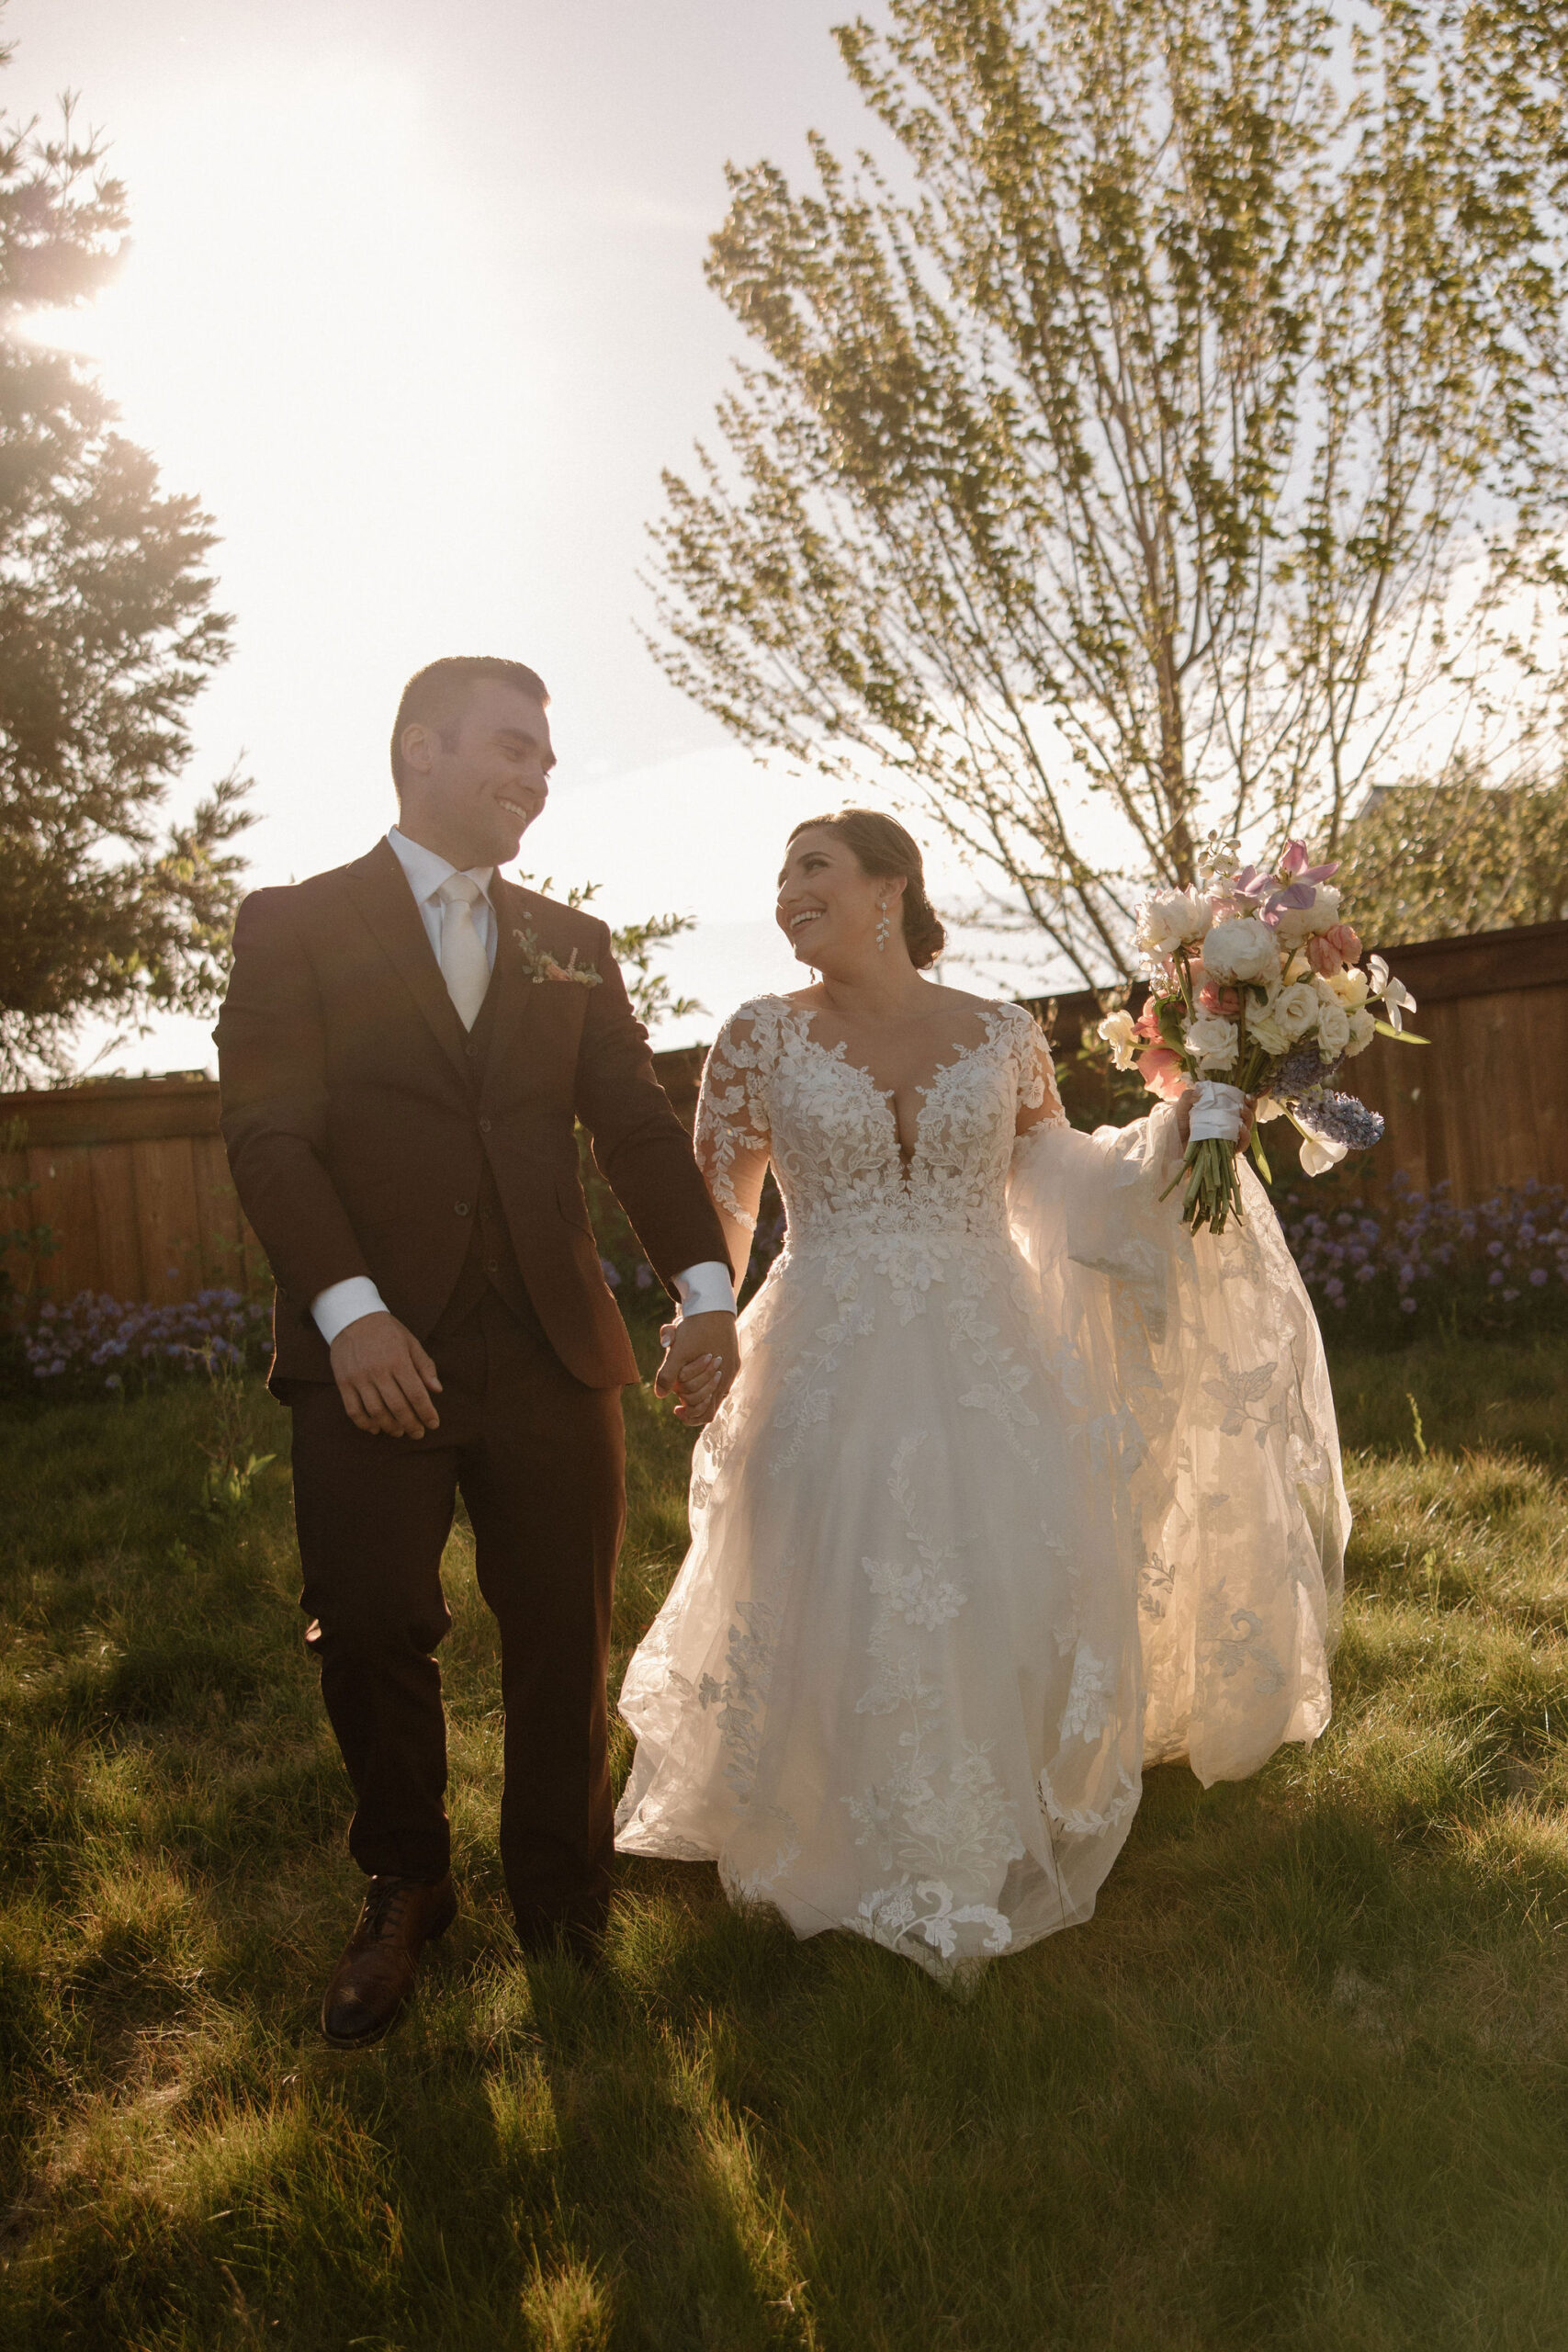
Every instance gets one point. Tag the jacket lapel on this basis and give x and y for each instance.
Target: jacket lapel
(515, 992)
(382, 894)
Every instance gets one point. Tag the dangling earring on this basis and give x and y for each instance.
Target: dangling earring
(884, 929)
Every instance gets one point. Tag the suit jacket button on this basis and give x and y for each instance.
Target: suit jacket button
(462, 1208)
(484, 1126)
(471, 1050)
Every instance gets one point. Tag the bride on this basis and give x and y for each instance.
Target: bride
(1019, 1488)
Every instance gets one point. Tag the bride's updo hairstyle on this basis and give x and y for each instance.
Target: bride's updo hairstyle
(882, 847)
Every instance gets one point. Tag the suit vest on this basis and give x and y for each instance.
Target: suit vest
(490, 1262)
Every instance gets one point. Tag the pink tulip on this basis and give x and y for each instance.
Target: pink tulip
(1330, 951)
(1161, 1072)
(1215, 999)
(1147, 1022)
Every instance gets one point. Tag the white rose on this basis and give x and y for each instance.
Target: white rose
(1363, 1029)
(1350, 985)
(1120, 1035)
(1297, 923)
(1295, 1008)
(1168, 918)
(1333, 1030)
(1211, 1041)
(1242, 949)
(1266, 1029)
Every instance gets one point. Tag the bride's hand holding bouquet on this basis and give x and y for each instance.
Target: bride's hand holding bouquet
(1257, 995)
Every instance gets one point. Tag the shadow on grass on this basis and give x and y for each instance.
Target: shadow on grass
(1471, 1395)
(1298, 2084)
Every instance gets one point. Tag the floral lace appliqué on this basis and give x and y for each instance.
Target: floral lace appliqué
(925, 1593)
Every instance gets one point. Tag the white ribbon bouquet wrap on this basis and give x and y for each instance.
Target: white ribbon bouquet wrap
(1256, 994)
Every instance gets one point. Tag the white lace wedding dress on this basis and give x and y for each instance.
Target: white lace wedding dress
(1018, 1489)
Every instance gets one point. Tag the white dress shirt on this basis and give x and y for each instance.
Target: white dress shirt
(426, 873)
(705, 1289)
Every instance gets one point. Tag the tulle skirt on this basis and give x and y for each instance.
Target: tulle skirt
(990, 1520)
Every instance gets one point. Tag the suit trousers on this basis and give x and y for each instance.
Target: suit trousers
(539, 1460)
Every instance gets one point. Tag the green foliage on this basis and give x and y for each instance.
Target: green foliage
(1436, 861)
(106, 636)
(1295, 2087)
(1109, 459)
(233, 1466)
(635, 948)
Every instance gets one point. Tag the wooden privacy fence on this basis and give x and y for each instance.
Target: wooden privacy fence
(1485, 1102)
(131, 1177)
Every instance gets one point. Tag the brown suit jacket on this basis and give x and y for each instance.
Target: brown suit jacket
(356, 1132)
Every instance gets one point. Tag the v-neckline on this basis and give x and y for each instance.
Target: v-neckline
(886, 1096)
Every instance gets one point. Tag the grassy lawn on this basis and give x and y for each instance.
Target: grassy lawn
(1303, 2082)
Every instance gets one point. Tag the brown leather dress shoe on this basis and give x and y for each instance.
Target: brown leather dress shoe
(375, 1976)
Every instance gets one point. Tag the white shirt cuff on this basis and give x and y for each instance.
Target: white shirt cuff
(340, 1304)
(704, 1290)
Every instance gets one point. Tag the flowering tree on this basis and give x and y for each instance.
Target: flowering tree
(1175, 418)
(107, 635)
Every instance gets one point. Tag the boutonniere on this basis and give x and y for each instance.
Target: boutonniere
(541, 967)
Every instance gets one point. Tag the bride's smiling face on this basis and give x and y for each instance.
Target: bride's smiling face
(829, 907)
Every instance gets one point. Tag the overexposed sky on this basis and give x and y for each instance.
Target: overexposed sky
(415, 306)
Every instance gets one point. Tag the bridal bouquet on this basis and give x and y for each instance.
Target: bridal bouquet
(1258, 988)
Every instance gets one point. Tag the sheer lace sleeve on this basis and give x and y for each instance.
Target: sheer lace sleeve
(1200, 1364)
(1038, 1101)
(732, 1136)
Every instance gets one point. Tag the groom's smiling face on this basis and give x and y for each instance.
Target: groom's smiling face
(472, 787)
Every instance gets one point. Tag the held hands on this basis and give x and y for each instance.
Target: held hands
(385, 1378)
(702, 1356)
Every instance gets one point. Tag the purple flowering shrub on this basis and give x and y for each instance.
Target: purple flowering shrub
(94, 1343)
(1416, 1262)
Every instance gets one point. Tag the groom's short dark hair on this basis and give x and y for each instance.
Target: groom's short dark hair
(436, 696)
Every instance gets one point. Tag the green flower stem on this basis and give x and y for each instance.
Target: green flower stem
(1214, 1185)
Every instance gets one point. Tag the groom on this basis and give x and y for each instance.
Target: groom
(406, 1047)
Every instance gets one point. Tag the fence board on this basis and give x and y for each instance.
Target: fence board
(63, 1200)
(120, 1270)
(131, 1174)
(230, 1257)
(168, 1220)
(1482, 1104)
(14, 1213)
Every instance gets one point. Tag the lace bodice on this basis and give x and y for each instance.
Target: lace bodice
(772, 1091)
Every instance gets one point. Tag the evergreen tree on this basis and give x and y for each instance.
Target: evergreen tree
(107, 634)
